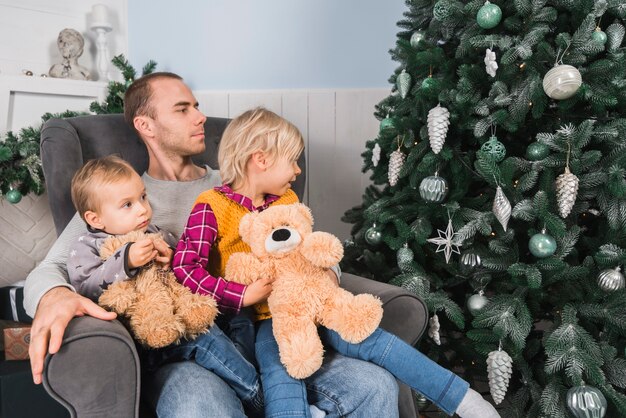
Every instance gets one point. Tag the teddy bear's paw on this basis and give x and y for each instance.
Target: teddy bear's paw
(322, 249)
(302, 356)
(359, 318)
(119, 297)
(157, 333)
(199, 316)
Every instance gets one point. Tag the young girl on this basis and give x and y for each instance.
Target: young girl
(258, 161)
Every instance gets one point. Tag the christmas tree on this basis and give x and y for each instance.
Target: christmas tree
(499, 196)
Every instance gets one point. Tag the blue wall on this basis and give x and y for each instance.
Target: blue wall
(267, 44)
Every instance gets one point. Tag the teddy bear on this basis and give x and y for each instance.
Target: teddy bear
(284, 246)
(157, 308)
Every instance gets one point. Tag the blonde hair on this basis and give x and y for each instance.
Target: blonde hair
(257, 130)
(93, 175)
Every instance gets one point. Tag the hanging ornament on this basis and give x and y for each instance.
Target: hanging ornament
(404, 257)
(376, 154)
(433, 330)
(470, 261)
(499, 370)
(501, 208)
(396, 161)
(416, 38)
(586, 402)
(438, 122)
(373, 236)
(434, 189)
(14, 196)
(429, 84)
(403, 83)
(611, 280)
(598, 36)
(386, 124)
(476, 302)
(562, 82)
(566, 190)
(542, 245)
(491, 65)
(489, 15)
(494, 149)
(447, 241)
(537, 151)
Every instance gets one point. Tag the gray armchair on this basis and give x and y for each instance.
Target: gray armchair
(97, 372)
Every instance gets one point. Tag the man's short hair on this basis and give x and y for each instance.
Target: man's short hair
(92, 176)
(138, 95)
(256, 130)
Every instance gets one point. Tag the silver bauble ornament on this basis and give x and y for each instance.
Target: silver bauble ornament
(501, 208)
(476, 302)
(438, 122)
(586, 402)
(499, 370)
(566, 191)
(433, 189)
(373, 236)
(404, 257)
(470, 261)
(416, 38)
(562, 82)
(611, 280)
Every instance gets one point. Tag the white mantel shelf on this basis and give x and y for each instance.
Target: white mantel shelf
(55, 90)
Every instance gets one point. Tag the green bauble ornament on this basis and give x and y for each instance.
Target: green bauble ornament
(443, 9)
(586, 402)
(417, 36)
(14, 196)
(489, 15)
(429, 84)
(542, 245)
(598, 36)
(405, 257)
(387, 124)
(494, 149)
(373, 236)
(434, 189)
(537, 151)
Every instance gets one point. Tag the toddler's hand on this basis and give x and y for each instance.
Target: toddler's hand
(257, 291)
(141, 252)
(165, 253)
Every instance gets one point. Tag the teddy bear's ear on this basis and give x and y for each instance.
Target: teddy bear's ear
(245, 226)
(303, 210)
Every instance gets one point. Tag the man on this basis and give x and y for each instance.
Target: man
(164, 112)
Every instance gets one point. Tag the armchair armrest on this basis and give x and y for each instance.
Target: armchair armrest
(96, 372)
(405, 315)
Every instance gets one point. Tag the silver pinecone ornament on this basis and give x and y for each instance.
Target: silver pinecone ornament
(376, 154)
(499, 370)
(403, 83)
(433, 330)
(501, 208)
(438, 122)
(566, 191)
(396, 161)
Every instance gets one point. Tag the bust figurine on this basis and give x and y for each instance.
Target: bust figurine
(70, 43)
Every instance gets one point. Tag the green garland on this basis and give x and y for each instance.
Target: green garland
(20, 162)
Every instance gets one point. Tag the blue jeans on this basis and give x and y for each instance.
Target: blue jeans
(341, 387)
(215, 352)
(286, 396)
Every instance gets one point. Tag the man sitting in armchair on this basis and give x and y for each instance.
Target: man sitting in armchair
(165, 115)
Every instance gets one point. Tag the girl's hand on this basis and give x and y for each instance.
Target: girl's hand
(257, 291)
(165, 253)
(141, 252)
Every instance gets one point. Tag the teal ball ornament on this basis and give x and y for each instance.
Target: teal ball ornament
(387, 124)
(417, 36)
(598, 36)
(373, 236)
(429, 84)
(434, 189)
(14, 196)
(489, 15)
(586, 402)
(542, 245)
(494, 149)
(537, 151)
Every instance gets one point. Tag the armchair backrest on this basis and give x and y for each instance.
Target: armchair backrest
(66, 144)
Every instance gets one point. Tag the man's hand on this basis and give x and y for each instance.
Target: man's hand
(165, 253)
(141, 252)
(55, 310)
(257, 291)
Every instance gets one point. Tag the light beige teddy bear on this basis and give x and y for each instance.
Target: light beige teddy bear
(159, 309)
(284, 246)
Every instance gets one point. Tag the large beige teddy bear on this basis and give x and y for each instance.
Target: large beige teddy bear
(160, 311)
(284, 246)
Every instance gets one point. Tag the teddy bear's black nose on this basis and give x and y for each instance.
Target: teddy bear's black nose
(281, 235)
